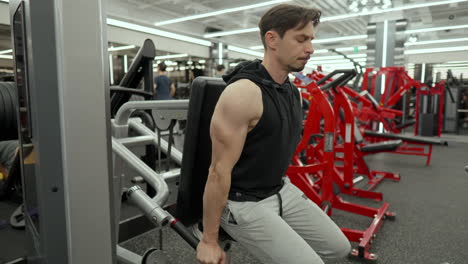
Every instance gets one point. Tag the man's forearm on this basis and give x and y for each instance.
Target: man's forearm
(214, 201)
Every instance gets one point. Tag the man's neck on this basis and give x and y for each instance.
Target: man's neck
(275, 69)
(161, 73)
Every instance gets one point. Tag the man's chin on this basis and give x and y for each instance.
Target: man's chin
(296, 68)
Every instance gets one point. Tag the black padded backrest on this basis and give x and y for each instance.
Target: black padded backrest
(196, 159)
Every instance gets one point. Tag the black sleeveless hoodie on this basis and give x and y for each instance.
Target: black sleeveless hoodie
(270, 145)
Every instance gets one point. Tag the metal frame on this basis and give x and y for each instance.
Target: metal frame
(69, 150)
(318, 176)
(152, 207)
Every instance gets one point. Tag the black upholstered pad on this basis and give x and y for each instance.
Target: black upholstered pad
(196, 159)
(382, 146)
(416, 139)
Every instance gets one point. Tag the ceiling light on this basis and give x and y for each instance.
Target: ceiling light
(173, 56)
(245, 51)
(348, 16)
(6, 51)
(320, 51)
(157, 32)
(351, 48)
(352, 56)
(8, 57)
(6, 1)
(436, 50)
(435, 29)
(400, 8)
(323, 50)
(259, 47)
(328, 40)
(435, 41)
(232, 32)
(121, 48)
(219, 12)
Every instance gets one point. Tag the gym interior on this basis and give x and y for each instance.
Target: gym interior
(94, 168)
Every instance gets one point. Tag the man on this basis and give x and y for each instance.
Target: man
(164, 88)
(220, 69)
(254, 131)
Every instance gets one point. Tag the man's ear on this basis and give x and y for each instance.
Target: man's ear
(271, 39)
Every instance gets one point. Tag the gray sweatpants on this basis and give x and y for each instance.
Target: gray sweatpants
(304, 235)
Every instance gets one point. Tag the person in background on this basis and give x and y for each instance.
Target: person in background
(164, 88)
(220, 69)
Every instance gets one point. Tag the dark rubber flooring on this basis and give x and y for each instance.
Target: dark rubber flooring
(431, 226)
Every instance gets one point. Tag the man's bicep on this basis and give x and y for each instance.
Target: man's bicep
(228, 135)
(229, 126)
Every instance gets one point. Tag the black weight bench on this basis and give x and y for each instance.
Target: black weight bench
(196, 161)
(390, 145)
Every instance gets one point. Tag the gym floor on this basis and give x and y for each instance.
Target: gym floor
(431, 226)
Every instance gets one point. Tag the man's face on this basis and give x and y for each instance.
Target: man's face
(295, 48)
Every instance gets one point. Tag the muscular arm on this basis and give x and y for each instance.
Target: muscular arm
(239, 106)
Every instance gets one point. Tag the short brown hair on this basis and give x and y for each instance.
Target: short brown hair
(162, 66)
(283, 17)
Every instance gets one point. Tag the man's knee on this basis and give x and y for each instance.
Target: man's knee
(341, 249)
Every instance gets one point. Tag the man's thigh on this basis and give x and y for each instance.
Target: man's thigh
(259, 228)
(312, 224)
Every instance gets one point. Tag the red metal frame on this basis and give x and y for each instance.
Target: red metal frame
(316, 179)
(368, 114)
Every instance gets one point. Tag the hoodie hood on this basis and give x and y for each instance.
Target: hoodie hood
(254, 71)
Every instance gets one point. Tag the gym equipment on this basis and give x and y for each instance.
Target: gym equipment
(318, 178)
(454, 88)
(197, 152)
(369, 112)
(153, 207)
(350, 148)
(140, 69)
(8, 104)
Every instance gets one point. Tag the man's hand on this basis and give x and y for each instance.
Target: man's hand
(210, 253)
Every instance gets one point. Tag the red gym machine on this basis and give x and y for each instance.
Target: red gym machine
(319, 177)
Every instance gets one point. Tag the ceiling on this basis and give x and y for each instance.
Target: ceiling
(148, 12)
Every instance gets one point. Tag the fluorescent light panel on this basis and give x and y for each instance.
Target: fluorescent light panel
(428, 42)
(436, 50)
(349, 16)
(422, 30)
(232, 32)
(245, 51)
(8, 57)
(121, 48)
(6, 1)
(111, 69)
(321, 50)
(157, 32)
(400, 8)
(220, 53)
(219, 12)
(6, 51)
(172, 56)
(352, 56)
(125, 63)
